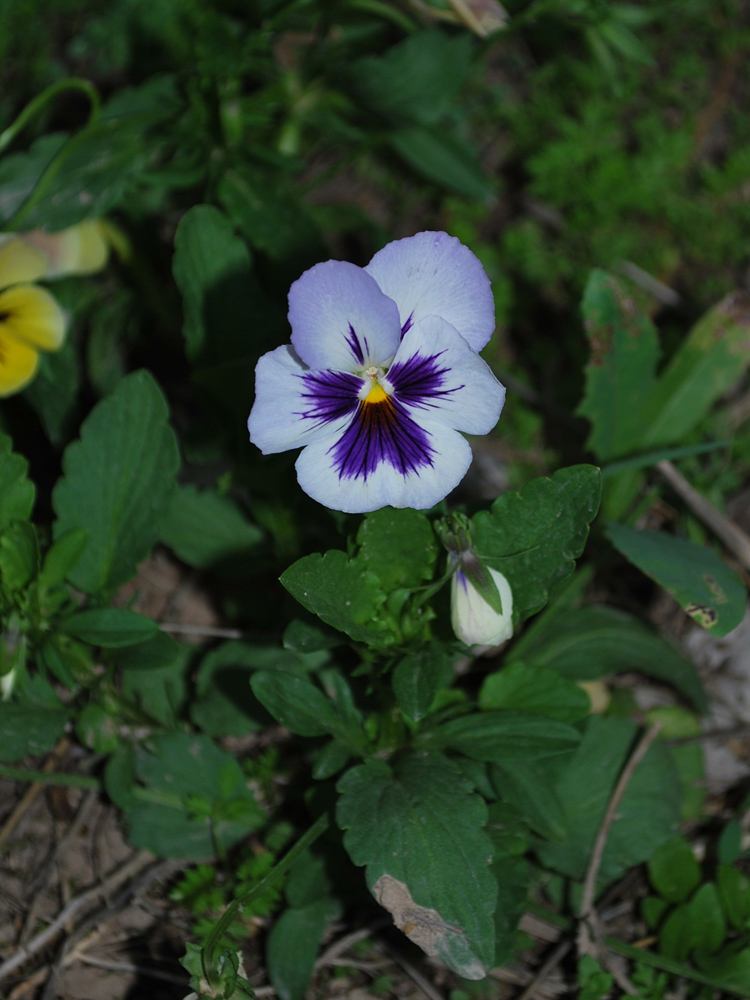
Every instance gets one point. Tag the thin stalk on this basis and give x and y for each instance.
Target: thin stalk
(35, 105)
(49, 778)
(277, 872)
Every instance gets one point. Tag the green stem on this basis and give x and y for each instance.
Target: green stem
(387, 12)
(49, 777)
(34, 106)
(277, 872)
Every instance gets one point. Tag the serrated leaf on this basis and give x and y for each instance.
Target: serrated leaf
(621, 370)
(27, 730)
(117, 482)
(524, 688)
(341, 591)
(648, 815)
(205, 529)
(504, 736)
(398, 546)
(212, 269)
(533, 537)
(589, 643)
(418, 828)
(698, 579)
(110, 628)
(16, 491)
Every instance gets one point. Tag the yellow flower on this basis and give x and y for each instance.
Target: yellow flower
(30, 318)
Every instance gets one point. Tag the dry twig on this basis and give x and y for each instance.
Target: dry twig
(730, 534)
(588, 929)
(547, 968)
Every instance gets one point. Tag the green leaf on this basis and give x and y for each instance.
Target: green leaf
(526, 788)
(19, 556)
(117, 483)
(540, 690)
(534, 537)
(54, 393)
(648, 815)
(592, 642)
(710, 360)
(443, 158)
(621, 370)
(418, 677)
(119, 776)
(504, 736)
(27, 730)
(675, 936)
(734, 889)
(153, 654)
(513, 878)
(418, 828)
(688, 758)
(673, 870)
(205, 529)
(303, 709)
(293, 944)
(98, 167)
(212, 269)
(398, 546)
(594, 982)
(343, 592)
(16, 492)
(62, 557)
(707, 918)
(330, 759)
(161, 692)
(653, 909)
(698, 579)
(179, 772)
(416, 79)
(110, 628)
(273, 220)
(97, 730)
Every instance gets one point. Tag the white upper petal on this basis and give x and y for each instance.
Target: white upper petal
(385, 486)
(341, 319)
(433, 274)
(467, 396)
(275, 423)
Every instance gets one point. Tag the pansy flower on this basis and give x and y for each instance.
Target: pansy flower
(30, 318)
(382, 375)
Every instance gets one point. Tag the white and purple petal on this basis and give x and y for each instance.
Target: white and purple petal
(293, 404)
(393, 474)
(341, 319)
(433, 274)
(437, 377)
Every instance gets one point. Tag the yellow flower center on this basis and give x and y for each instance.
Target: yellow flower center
(377, 394)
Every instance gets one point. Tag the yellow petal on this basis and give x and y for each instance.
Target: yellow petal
(29, 314)
(20, 262)
(18, 364)
(81, 249)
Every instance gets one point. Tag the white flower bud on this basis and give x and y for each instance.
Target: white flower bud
(473, 620)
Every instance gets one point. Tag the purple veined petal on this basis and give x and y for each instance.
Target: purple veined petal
(322, 477)
(436, 376)
(341, 319)
(293, 404)
(433, 274)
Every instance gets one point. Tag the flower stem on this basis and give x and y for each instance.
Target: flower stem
(35, 105)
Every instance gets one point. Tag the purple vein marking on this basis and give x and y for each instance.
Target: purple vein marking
(418, 381)
(331, 395)
(356, 347)
(381, 432)
(407, 325)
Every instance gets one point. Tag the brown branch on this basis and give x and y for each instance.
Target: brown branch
(549, 966)
(735, 539)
